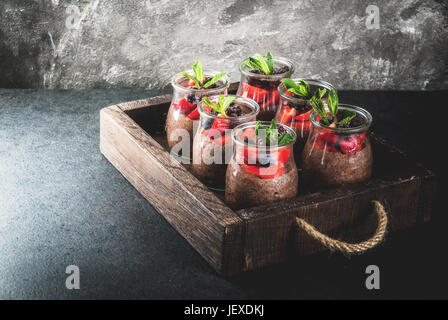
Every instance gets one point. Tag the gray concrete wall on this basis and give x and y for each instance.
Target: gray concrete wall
(142, 43)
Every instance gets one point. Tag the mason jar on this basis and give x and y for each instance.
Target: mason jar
(336, 156)
(263, 88)
(258, 173)
(183, 111)
(212, 145)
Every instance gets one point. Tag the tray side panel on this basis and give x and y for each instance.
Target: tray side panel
(273, 238)
(214, 230)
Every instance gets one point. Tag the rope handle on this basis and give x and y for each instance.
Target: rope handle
(349, 248)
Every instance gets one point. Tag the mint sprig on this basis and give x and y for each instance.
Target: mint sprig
(223, 104)
(271, 134)
(199, 76)
(301, 88)
(333, 102)
(347, 117)
(259, 62)
(318, 106)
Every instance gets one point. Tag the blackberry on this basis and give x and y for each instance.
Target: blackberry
(282, 131)
(279, 70)
(193, 99)
(234, 111)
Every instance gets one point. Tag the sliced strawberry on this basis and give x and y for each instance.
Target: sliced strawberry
(194, 115)
(327, 140)
(288, 93)
(190, 83)
(219, 127)
(303, 117)
(283, 155)
(183, 105)
(257, 94)
(266, 173)
(350, 145)
(287, 114)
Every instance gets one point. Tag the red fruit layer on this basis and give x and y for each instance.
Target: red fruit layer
(184, 106)
(265, 173)
(257, 94)
(218, 128)
(347, 144)
(194, 115)
(250, 155)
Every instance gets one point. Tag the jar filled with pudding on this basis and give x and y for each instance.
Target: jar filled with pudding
(183, 111)
(260, 83)
(262, 168)
(338, 151)
(212, 145)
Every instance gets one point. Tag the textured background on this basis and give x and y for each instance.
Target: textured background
(140, 43)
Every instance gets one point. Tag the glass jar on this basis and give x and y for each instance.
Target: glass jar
(263, 88)
(335, 156)
(259, 174)
(183, 111)
(212, 145)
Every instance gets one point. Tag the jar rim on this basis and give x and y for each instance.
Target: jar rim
(316, 82)
(252, 124)
(360, 111)
(270, 77)
(177, 77)
(246, 101)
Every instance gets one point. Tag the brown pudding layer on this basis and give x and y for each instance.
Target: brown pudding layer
(329, 168)
(245, 189)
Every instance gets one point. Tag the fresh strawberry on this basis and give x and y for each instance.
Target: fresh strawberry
(219, 127)
(254, 93)
(350, 144)
(287, 114)
(327, 140)
(190, 83)
(266, 173)
(288, 93)
(194, 115)
(283, 155)
(183, 105)
(303, 117)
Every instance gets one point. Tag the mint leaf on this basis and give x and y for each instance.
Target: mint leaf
(270, 62)
(289, 83)
(347, 117)
(332, 102)
(285, 139)
(198, 70)
(318, 106)
(214, 79)
(301, 89)
(273, 133)
(250, 64)
(215, 107)
(186, 75)
(226, 102)
(263, 64)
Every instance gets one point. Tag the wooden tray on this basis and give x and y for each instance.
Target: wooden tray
(132, 138)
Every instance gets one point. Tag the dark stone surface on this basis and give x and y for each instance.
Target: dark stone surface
(62, 203)
(142, 43)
